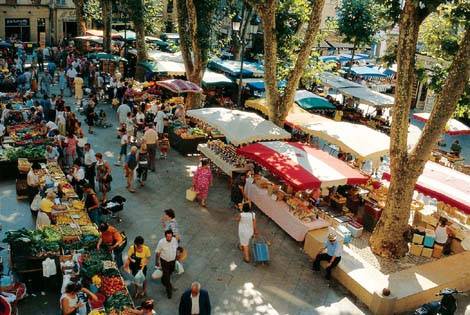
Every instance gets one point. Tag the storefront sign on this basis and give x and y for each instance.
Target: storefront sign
(16, 22)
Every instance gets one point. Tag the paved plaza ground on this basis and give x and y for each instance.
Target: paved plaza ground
(286, 286)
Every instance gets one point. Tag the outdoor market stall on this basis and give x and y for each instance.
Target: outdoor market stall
(451, 189)
(69, 245)
(362, 142)
(239, 128)
(453, 126)
(234, 68)
(303, 169)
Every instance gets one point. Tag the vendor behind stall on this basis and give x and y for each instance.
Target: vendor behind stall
(442, 235)
(455, 148)
(32, 180)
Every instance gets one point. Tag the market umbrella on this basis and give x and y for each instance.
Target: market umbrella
(5, 45)
(308, 100)
(105, 56)
(148, 65)
(453, 127)
(180, 86)
(367, 72)
(301, 165)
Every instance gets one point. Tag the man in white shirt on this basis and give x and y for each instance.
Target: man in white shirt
(165, 258)
(122, 111)
(90, 163)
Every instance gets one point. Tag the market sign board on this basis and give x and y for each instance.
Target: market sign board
(16, 22)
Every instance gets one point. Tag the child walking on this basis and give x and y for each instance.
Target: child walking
(164, 145)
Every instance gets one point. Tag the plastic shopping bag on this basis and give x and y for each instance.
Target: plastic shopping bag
(190, 194)
(179, 268)
(139, 278)
(157, 274)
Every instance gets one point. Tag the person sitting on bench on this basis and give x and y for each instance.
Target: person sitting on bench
(331, 252)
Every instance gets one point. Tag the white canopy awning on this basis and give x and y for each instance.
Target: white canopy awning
(368, 96)
(359, 140)
(158, 55)
(352, 89)
(239, 127)
(336, 82)
(170, 67)
(211, 78)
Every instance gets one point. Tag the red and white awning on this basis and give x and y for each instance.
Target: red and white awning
(444, 184)
(180, 86)
(453, 127)
(302, 166)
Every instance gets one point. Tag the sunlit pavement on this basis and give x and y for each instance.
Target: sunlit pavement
(286, 286)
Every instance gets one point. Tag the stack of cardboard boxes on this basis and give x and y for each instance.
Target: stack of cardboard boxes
(424, 245)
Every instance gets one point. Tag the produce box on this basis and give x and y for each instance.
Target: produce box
(355, 228)
(427, 252)
(416, 249)
(437, 251)
(429, 239)
(418, 239)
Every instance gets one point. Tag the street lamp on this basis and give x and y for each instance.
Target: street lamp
(236, 23)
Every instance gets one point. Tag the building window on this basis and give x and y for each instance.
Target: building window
(18, 29)
(60, 2)
(11, 2)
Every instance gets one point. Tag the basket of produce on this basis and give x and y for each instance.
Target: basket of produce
(117, 303)
(111, 285)
(23, 165)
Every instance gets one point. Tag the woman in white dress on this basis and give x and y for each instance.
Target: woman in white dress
(246, 228)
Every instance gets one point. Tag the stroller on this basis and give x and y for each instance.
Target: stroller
(101, 120)
(112, 208)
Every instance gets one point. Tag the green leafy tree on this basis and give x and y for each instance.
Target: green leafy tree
(439, 37)
(153, 12)
(301, 32)
(195, 25)
(358, 22)
(92, 11)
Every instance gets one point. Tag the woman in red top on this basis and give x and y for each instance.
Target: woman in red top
(71, 148)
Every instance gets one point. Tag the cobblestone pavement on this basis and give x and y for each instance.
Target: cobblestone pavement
(286, 286)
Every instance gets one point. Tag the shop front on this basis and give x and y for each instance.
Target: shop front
(18, 28)
(25, 23)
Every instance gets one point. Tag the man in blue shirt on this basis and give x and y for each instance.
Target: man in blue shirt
(331, 252)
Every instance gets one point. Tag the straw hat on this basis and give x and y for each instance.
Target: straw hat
(332, 237)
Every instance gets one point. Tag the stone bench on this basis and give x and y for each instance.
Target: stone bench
(409, 288)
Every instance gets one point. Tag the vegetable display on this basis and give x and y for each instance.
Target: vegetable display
(32, 242)
(117, 302)
(111, 285)
(27, 152)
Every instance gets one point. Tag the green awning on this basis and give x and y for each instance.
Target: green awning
(148, 66)
(106, 56)
(310, 101)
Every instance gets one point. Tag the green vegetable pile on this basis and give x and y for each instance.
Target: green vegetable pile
(28, 152)
(32, 242)
(118, 301)
(94, 265)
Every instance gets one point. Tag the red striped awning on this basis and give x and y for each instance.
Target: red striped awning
(302, 166)
(444, 184)
(453, 126)
(180, 86)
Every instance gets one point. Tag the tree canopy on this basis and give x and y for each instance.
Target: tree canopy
(358, 21)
